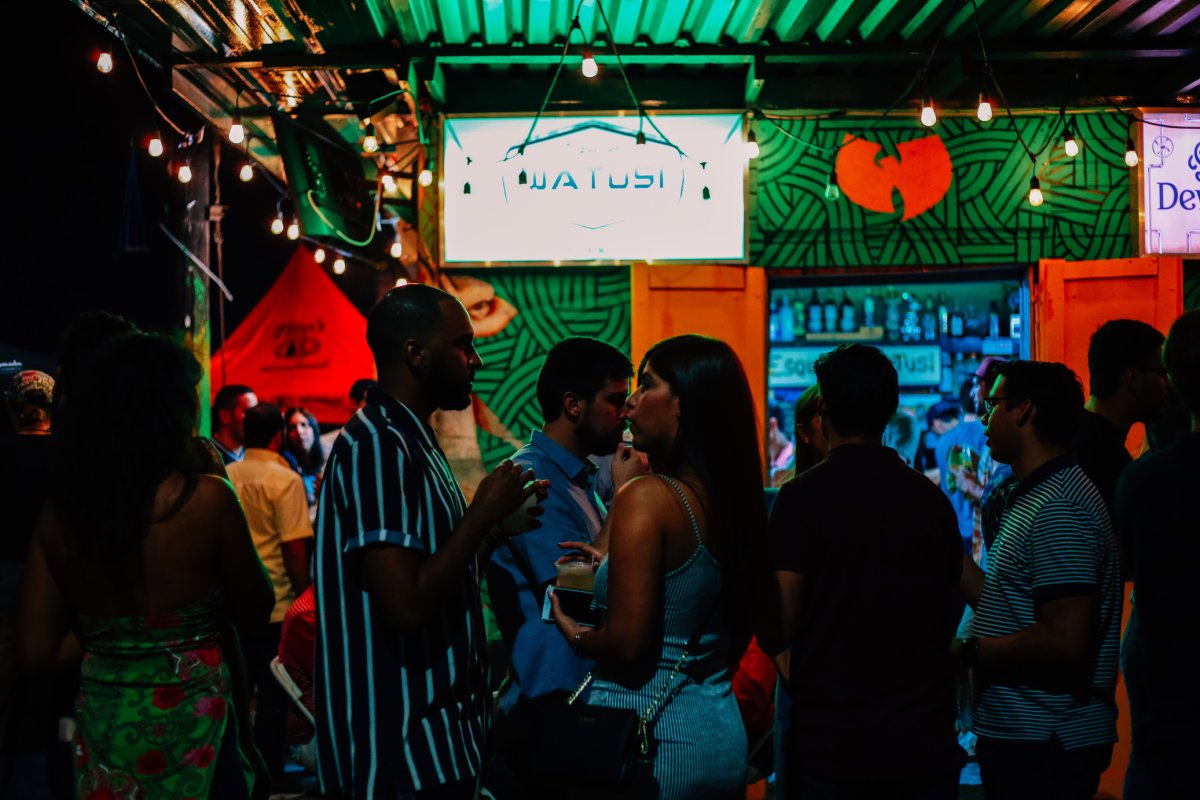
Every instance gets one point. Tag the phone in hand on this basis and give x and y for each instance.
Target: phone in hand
(576, 604)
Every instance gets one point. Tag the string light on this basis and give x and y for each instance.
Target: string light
(277, 224)
(1035, 192)
(389, 183)
(928, 115)
(293, 230)
(751, 144)
(1070, 146)
(984, 111)
(185, 173)
(425, 176)
(1131, 156)
(401, 282)
(370, 142)
(832, 192)
(155, 147)
(104, 62)
(397, 248)
(319, 255)
(339, 265)
(246, 173)
(237, 132)
(589, 68)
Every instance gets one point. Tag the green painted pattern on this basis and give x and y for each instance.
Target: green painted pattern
(983, 219)
(552, 304)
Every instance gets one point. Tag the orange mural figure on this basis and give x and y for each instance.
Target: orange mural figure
(921, 174)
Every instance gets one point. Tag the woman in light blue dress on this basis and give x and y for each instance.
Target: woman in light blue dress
(684, 563)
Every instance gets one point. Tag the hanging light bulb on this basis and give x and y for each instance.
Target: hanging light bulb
(832, 192)
(1070, 145)
(928, 115)
(984, 112)
(339, 265)
(293, 230)
(319, 255)
(1035, 192)
(246, 173)
(389, 183)
(589, 67)
(185, 173)
(104, 62)
(1131, 156)
(751, 145)
(155, 147)
(237, 132)
(370, 142)
(425, 176)
(277, 224)
(401, 282)
(397, 248)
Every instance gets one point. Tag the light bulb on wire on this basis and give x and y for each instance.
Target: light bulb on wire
(832, 192)
(425, 176)
(370, 142)
(389, 183)
(401, 282)
(104, 62)
(397, 248)
(277, 224)
(1131, 156)
(589, 68)
(237, 131)
(293, 230)
(155, 147)
(319, 255)
(246, 173)
(984, 111)
(1035, 192)
(751, 144)
(1070, 145)
(928, 115)
(339, 265)
(185, 173)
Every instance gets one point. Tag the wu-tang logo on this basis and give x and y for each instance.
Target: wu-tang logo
(298, 339)
(920, 174)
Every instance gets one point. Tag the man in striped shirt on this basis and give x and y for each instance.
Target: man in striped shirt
(400, 672)
(1048, 612)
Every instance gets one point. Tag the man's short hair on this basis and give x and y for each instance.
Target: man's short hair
(263, 423)
(943, 410)
(581, 366)
(227, 399)
(1181, 357)
(1056, 394)
(359, 389)
(407, 312)
(860, 388)
(1116, 346)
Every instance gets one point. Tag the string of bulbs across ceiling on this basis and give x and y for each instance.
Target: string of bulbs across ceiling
(1066, 133)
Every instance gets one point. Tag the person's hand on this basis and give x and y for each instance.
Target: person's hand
(628, 464)
(581, 550)
(568, 627)
(503, 491)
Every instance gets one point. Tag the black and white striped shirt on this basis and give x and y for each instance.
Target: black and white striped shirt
(395, 712)
(1056, 540)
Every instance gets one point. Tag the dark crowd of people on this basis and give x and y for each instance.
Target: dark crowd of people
(622, 610)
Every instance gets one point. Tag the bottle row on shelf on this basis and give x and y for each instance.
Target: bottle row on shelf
(888, 315)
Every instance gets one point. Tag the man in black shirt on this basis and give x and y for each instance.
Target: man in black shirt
(867, 556)
(1128, 384)
(1156, 508)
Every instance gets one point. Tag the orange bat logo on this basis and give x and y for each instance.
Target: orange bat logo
(921, 174)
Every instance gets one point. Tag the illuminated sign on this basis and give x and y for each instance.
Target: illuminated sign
(920, 171)
(1170, 197)
(916, 365)
(590, 192)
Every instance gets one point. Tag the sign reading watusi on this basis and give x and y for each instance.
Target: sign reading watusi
(916, 365)
(1170, 161)
(591, 192)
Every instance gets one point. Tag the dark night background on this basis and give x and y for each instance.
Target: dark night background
(70, 140)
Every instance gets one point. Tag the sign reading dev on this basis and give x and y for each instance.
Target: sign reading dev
(916, 365)
(591, 193)
(1170, 183)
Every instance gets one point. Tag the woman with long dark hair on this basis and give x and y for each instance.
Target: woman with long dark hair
(302, 441)
(142, 560)
(685, 564)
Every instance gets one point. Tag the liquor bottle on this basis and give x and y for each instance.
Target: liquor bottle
(869, 310)
(773, 321)
(830, 318)
(797, 316)
(787, 320)
(974, 324)
(957, 324)
(943, 315)
(891, 318)
(910, 328)
(814, 314)
(929, 329)
(993, 321)
(848, 322)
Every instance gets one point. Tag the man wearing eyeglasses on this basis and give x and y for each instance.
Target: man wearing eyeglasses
(1048, 611)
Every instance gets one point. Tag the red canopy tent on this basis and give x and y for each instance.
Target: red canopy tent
(302, 345)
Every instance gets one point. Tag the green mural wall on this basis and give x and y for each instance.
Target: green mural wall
(552, 304)
(984, 217)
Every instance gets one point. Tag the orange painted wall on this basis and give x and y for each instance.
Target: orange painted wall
(729, 303)
(1073, 299)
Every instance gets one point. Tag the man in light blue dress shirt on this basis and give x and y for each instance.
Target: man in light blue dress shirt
(581, 390)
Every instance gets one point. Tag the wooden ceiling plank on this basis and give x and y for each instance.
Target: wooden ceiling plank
(493, 22)
(842, 18)
(929, 18)
(711, 24)
(1145, 20)
(751, 19)
(1107, 16)
(665, 29)
(887, 17)
(626, 19)
(1073, 14)
(799, 18)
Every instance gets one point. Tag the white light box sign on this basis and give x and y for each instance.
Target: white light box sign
(591, 192)
(1170, 183)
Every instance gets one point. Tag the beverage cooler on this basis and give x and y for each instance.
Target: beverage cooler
(937, 327)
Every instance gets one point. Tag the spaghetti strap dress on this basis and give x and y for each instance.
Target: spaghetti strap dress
(154, 712)
(697, 735)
